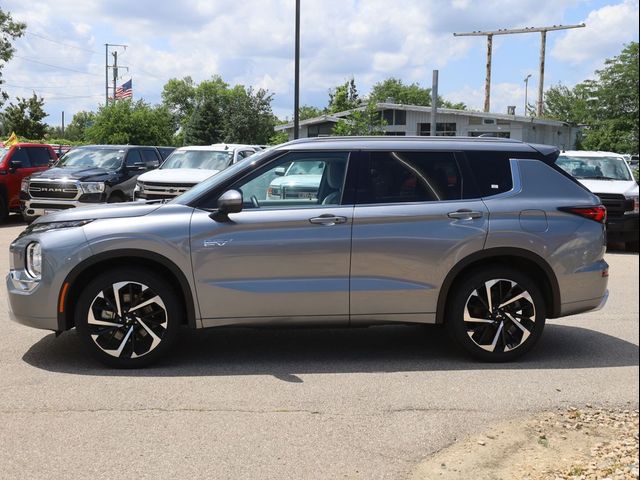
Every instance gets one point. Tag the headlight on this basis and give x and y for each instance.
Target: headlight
(24, 185)
(46, 226)
(634, 199)
(92, 187)
(33, 263)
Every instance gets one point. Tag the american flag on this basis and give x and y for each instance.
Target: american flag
(125, 90)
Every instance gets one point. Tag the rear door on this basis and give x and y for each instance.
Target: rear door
(412, 223)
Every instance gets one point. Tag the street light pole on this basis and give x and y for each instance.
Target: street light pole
(296, 86)
(526, 91)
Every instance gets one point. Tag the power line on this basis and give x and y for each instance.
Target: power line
(60, 43)
(55, 66)
(49, 86)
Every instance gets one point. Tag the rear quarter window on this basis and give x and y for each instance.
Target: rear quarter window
(39, 156)
(492, 172)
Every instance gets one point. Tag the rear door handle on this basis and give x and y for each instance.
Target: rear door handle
(464, 214)
(328, 219)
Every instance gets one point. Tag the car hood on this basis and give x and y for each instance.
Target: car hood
(621, 187)
(177, 175)
(74, 173)
(106, 210)
(297, 180)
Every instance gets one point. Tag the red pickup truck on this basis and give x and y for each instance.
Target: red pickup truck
(17, 162)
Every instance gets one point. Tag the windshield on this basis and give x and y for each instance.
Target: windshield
(306, 168)
(247, 164)
(595, 168)
(107, 158)
(203, 159)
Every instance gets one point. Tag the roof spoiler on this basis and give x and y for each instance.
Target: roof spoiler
(549, 153)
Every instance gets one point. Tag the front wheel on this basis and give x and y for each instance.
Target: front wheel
(496, 314)
(128, 318)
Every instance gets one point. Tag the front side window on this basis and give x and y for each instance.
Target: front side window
(297, 180)
(20, 155)
(134, 158)
(594, 168)
(404, 177)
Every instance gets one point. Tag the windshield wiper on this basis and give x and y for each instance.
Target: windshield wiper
(598, 178)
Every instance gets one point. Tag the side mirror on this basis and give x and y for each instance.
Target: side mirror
(14, 165)
(229, 202)
(279, 171)
(151, 165)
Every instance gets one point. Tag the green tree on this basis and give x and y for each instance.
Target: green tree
(343, 97)
(248, 117)
(25, 117)
(128, 122)
(607, 105)
(307, 111)
(76, 130)
(394, 90)
(363, 121)
(9, 31)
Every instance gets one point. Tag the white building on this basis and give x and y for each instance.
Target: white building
(416, 120)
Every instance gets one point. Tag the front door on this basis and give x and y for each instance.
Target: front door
(285, 256)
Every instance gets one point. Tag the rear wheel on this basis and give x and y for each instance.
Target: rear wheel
(496, 314)
(128, 318)
(4, 211)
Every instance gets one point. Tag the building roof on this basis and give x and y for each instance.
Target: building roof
(334, 117)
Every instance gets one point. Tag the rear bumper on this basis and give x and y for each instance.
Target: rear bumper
(591, 305)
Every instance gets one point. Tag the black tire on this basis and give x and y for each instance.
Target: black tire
(28, 219)
(499, 334)
(631, 246)
(4, 211)
(116, 198)
(136, 329)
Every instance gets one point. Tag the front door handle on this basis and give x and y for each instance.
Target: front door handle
(464, 214)
(328, 219)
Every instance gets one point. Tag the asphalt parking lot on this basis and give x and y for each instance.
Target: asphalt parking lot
(238, 403)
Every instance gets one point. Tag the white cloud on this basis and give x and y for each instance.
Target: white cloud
(502, 95)
(607, 29)
(251, 42)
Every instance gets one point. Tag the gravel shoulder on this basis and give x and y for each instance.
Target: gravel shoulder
(581, 444)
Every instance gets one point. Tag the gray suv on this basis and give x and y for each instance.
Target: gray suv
(486, 236)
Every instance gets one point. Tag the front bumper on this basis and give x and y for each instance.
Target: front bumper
(21, 303)
(36, 208)
(623, 228)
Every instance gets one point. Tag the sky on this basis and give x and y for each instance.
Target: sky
(251, 42)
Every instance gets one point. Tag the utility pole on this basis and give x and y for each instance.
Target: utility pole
(107, 67)
(296, 81)
(506, 31)
(62, 123)
(434, 103)
(526, 92)
(115, 74)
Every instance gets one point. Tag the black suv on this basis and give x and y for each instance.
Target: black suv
(87, 175)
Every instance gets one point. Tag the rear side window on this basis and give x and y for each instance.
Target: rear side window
(492, 171)
(149, 155)
(404, 177)
(39, 156)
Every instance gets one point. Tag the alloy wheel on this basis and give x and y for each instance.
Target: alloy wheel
(127, 320)
(499, 316)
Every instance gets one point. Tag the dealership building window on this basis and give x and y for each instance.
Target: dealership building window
(394, 117)
(320, 130)
(491, 134)
(447, 129)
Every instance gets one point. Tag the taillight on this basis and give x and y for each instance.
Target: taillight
(597, 213)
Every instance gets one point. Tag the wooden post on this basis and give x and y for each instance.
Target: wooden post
(487, 83)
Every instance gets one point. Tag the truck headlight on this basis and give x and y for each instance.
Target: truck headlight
(33, 263)
(92, 187)
(24, 185)
(635, 204)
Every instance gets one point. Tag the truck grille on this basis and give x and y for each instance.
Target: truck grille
(615, 204)
(52, 190)
(153, 191)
